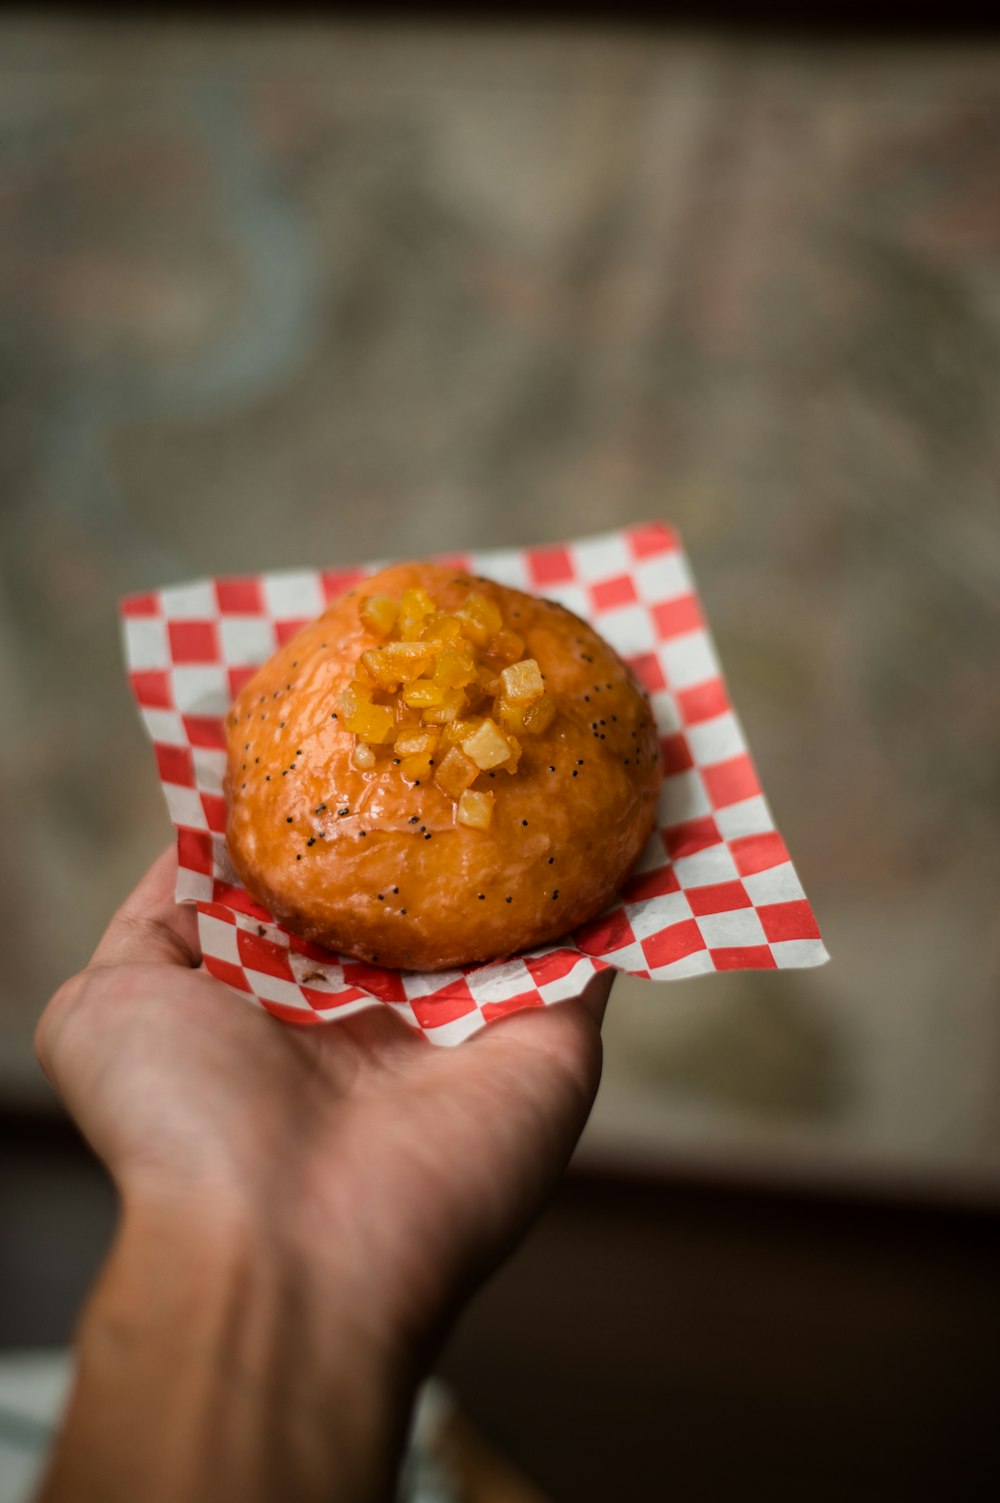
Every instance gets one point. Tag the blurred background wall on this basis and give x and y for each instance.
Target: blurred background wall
(274, 293)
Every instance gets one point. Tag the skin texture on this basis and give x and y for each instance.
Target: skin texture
(567, 826)
(303, 1212)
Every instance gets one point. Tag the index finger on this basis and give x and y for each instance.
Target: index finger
(150, 926)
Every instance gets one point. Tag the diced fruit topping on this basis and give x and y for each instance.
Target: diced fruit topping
(422, 694)
(487, 746)
(528, 720)
(480, 619)
(523, 682)
(415, 607)
(416, 768)
(539, 716)
(475, 809)
(409, 743)
(455, 668)
(379, 612)
(456, 773)
(506, 646)
(449, 693)
(441, 628)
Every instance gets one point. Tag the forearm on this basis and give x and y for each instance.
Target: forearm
(214, 1364)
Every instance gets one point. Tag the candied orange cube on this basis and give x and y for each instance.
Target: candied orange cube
(372, 722)
(539, 715)
(456, 773)
(416, 769)
(487, 746)
(409, 743)
(488, 680)
(381, 668)
(515, 755)
(408, 660)
(422, 693)
(456, 731)
(455, 668)
(354, 696)
(441, 627)
(378, 613)
(475, 809)
(405, 716)
(523, 682)
(510, 717)
(475, 693)
(415, 606)
(506, 646)
(364, 757)
(480, 618)
(454, 701)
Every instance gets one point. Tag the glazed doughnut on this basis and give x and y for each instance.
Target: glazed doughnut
(439, 771)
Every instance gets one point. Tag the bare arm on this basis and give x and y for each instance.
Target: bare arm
(302, 1212)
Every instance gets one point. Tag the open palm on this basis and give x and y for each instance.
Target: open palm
(403, 1170)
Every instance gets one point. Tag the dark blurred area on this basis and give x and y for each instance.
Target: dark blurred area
(344, 284)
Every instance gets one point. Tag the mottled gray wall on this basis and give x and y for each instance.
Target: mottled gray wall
(273, 295)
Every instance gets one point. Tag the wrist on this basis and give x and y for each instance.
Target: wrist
(264, 1246)
(264, 1372)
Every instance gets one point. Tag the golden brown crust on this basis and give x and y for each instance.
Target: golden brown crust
(370, 866)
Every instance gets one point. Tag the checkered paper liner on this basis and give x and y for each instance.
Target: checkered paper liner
(714, 889)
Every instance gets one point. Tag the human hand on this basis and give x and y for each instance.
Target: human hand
(375, 1177)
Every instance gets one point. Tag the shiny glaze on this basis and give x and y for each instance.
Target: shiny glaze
(290, 774)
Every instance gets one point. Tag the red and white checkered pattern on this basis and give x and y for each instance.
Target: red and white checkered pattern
(714, 889)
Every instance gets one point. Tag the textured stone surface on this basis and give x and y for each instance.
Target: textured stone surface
(275, 294)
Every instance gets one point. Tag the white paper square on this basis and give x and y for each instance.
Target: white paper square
(209, 768)
(698, 963)
(654, 914)
(309, 972)
(750, 816)
(688, 660)
(628, 957)
(569, 985)
(247, 641)
(293, 594)
(665, 712)
(359, 1004)
(500, 982)
(652, 856)
(422, 983)
(628, 628)
(165, 727)
(504, 568)
(147, 643)
(455, 1030)
(201, 690)
(663, 577)
(779, 884)
(793, 954)
(681, 797)
(274, 989)
(599, 559)
(190, 602)
(185, 806)
(740, 926)
(715, 740)
(218, 938)
(193, 887)
(713, 864)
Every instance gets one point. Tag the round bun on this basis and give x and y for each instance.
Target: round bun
(377, 862)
